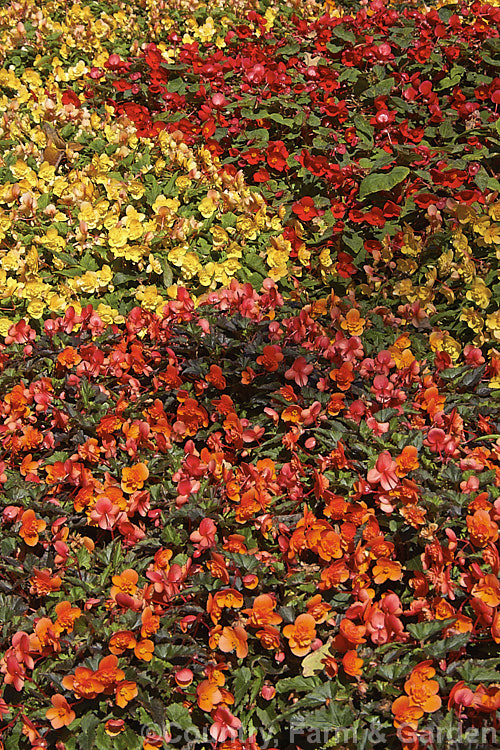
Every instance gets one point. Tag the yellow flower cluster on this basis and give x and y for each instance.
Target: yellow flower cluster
(75, 220)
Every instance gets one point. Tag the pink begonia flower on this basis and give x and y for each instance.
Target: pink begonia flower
(436, 438)
(204, 536)
(299, 372)
(384, 472)
(14, 673)
(439, 442)
(105, 513)
(225, 725)
(21, 647)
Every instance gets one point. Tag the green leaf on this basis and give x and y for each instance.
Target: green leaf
(342, 33)
(382, 88)
(179, 715)
(167, 272)
(88, 727)
(424, 630)
(448, 645)
(382, 181)
(277, 118)
(483, 671)
(312, 663)
(298, 684)
(241, 684)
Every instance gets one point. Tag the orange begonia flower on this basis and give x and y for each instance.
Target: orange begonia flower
(133, 477)
(217, 567)
(319, 609)
(443, 610)
(31, 438)
(66, 616)
(83, 683)
(262, 612)
(61, 714)
(407, 461)
(214, 636)
(184, 677)
(269, 637)
(343, 376)
(495, 627)
(301, 634)
(31, 526)
(352, 663)
(329, 546)
(43, 582)
(125, 691)
(121, 641)
(216, 378)
(351, 632)
(386, 569)
(234, 638)
(488, 590)
(482, 529)
(334, 575)
(113, 727)
(230, 598)
(107, 672)
(144, 649)
(69, 357)
(125, 583)
(150, 622)
(353, 323)
(423, 693)
(208, 695)
(292, 414)
(45, 635)
(487, 699)
(190, 417)
(213, 609)
(405, 712)
(152, 742)
(424, 670)
(336, 404)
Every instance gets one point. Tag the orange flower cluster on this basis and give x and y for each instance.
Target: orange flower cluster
(421, 696)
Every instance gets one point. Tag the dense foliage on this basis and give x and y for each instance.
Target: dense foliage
(249, 375)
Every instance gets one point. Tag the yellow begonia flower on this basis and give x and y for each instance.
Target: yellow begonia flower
(108, 314)
(36, 308)
(492, 234)
(5, 325)
(89, 215)
(325, 259)
(493, 324)
(118, 237)
(56, 303)
(248, 227)
(35, 289)
(191, 265)
(89, 282)
(207, 207)
(479, 293)
(442, 341)
(47, 172)
(472, 318)
(11, 261)
(176, 255)
(105, 275)
(231, 266)
(52, 240)
(20, 169)
(148, 296)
